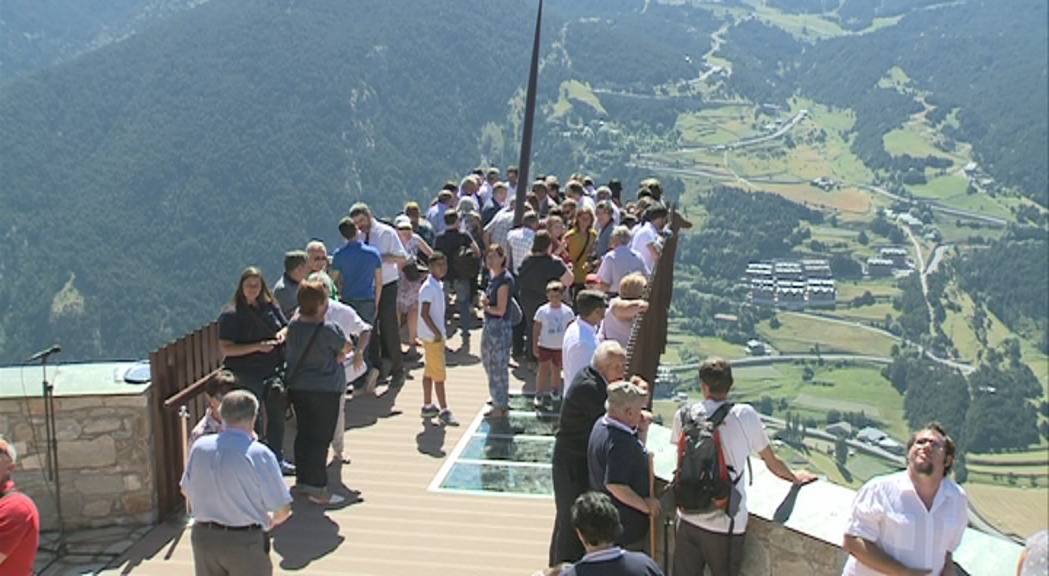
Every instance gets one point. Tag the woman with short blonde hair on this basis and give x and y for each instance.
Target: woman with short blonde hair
(624, 309)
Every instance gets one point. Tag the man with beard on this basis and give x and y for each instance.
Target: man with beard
(909, 522)
(385, 239)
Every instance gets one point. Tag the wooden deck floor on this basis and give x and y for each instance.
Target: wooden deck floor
(400, 527)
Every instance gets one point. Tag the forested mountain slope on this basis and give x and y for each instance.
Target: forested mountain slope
(140, 178)
(36, 34)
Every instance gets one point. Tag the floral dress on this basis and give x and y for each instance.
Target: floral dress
(408, 291)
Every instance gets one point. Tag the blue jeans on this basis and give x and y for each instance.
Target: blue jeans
(464, 300)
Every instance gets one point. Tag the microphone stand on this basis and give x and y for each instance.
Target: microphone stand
(61, 548)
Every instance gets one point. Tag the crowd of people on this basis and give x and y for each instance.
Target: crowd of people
(559, 295)
(344, 323)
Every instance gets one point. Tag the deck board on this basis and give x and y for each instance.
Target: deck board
(400, 527)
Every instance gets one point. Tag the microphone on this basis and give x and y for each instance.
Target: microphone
(44, 353)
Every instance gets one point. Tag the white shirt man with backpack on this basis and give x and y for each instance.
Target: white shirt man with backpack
(706, 534)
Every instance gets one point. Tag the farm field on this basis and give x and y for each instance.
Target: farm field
(854, 388)
(842, 238)
(954, 234)
(874, 312)
(943, 192)
(1035, 455)
(959, 328)
(799, 333)
(849, 289)
(855, 204)
(702, 346)
(1023, 472)
(916, 138)
(1012, 509)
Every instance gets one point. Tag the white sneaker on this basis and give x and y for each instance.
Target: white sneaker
(371, 380)
(328, 500)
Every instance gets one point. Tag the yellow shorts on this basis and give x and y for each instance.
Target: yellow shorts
(433, 360)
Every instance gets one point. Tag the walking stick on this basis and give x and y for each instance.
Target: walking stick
(651, 518)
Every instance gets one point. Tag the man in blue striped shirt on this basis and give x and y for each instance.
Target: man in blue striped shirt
(237, 493)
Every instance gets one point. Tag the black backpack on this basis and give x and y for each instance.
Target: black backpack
(467, 264)
(703, 481)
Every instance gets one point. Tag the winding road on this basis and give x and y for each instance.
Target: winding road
(763, 360)
(922, 273)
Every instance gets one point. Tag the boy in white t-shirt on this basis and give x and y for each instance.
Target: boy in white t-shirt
(551, 321)
(432, 335)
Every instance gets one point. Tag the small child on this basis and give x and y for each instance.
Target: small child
(551, 321)
(215, 389)
(431, 333)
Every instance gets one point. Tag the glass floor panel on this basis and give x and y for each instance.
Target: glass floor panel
(499, 478)
(514, 449)
(505, 456)
(525, 404)
(526, 423)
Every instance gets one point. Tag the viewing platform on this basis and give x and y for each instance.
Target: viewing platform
(430, 498)
(477, 500)
(420, 498)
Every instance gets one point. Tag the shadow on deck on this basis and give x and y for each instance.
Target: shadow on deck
(422, 498)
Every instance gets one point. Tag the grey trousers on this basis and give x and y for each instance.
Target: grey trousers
(219, 552)
(695, 549)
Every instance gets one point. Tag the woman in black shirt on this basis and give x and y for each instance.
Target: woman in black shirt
(251, 338)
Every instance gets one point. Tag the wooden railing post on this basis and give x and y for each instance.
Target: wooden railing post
(179, 371)
(649, 338)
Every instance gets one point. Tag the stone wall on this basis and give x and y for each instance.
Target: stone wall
(773, 549)
(104, 453)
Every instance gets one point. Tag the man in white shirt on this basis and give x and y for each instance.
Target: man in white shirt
(704, 539)
(511, 181)
(488, 185)
(347, 318)
(520, 240)
(581, 336)
(620, 262)
(497, 230)
(912, 521)
(574, 190)
(648, 239)
(435, 214)
(385, 239)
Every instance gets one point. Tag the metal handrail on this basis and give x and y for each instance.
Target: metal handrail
(189, 392)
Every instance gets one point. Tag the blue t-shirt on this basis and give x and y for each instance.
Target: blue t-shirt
(616, 456)
(320, 370)
(614, 562)
(357, 262)
(494, 283)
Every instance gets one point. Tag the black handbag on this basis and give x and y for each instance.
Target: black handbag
(414, 269)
